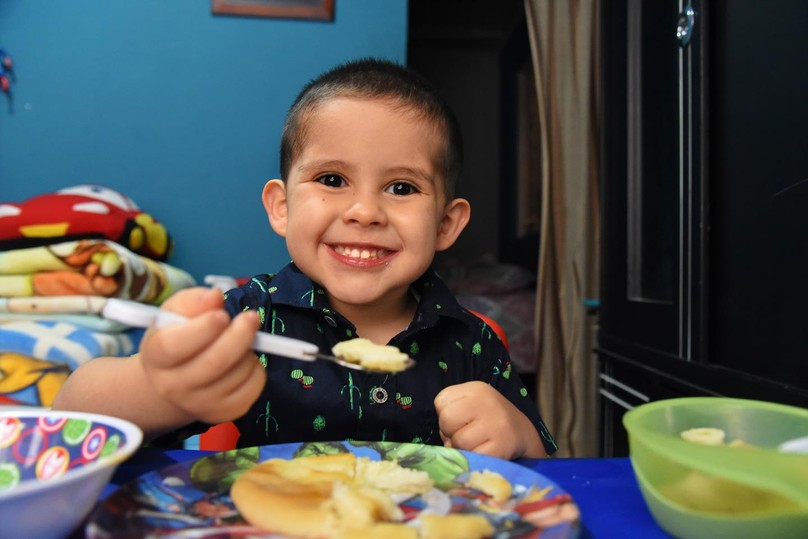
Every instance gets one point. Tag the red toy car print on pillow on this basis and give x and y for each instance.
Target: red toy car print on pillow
(80, 212)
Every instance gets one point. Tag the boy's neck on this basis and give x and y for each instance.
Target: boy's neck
(381, 321)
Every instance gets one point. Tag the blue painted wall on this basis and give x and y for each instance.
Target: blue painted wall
(177, 108)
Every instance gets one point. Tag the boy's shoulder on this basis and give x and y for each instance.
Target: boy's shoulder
(288, 286)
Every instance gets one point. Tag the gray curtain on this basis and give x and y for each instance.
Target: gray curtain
(564, 43)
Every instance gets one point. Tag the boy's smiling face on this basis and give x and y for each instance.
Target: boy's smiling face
(363, 210)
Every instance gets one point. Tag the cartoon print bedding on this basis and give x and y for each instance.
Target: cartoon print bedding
(88, 267)
(55, 278)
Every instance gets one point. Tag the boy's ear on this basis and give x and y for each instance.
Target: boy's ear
(455, 218)
(274, 198)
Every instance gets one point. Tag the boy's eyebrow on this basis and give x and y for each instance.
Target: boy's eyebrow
(408, 171)
(326, 164)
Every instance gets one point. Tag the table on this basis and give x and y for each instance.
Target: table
(605, 490)
(607, 495)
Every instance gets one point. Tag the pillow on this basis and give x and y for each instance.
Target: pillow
(487, 276)
(82, 212)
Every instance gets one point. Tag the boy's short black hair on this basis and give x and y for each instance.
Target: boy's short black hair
(375, 78)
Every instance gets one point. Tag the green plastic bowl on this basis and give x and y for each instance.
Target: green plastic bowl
(698, 491)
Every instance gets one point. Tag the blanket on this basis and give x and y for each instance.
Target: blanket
(88, 267)
(62, 254)
(36, 356)
(82, 212)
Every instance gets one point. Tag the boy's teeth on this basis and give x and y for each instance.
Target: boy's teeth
(354, 252)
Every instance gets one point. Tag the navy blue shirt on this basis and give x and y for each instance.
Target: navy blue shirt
(322, 401)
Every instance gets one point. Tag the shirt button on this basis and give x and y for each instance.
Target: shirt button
(379, 395)
(330, 321)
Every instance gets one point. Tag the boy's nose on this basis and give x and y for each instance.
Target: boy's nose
(365, 210)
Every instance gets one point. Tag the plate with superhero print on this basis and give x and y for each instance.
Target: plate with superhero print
(192, 498)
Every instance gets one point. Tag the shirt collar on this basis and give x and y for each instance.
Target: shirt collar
(292, 287)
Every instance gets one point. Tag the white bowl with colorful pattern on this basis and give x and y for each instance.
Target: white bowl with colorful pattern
(54, 465)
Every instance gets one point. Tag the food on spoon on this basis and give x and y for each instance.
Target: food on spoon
(371, 356)
(324, 495)
(490, 483)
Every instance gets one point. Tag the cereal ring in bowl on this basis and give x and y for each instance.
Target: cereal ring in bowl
(712, 466)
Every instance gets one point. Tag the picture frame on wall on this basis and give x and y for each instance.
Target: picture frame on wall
(322, 10)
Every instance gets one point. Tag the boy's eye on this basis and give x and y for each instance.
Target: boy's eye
(401, 188)
(331, 180)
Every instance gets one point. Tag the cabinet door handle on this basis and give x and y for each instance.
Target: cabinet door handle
(684, 25)
(615, 399)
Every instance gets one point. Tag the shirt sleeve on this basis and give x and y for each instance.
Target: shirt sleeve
(252, 295)
(502, 376)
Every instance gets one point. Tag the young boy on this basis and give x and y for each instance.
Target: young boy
(369, 159)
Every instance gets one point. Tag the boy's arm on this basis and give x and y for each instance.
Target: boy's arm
(198, 370)
(476, 417)
(117, 386)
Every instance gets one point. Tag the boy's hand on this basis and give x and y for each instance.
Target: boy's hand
(204, 367)
(476, 417)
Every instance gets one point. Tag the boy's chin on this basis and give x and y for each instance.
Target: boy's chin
(365, 295)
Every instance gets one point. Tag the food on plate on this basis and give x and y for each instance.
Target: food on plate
(323, 495)
(429, 526)
(490, 483)
(370, 355)
(389, 476)
(455, 526)
(381, 530)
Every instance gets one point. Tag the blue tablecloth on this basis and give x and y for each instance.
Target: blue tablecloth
(605, 490)
(607, 495)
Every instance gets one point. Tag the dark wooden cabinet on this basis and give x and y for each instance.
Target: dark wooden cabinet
(704, 203)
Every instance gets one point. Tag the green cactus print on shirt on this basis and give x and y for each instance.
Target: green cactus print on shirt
(319, 423)
(293, 305)
(311, 294)
(260, 284)
(268, 420)
(485, 332)
(275, 319)
(351, 388)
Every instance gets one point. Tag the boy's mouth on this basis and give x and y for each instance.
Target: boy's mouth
(361, 253)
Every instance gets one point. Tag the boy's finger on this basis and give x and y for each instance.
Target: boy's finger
(460, 392)
(235, 341)
(447, 396)
(183, 341)
(193, 301)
